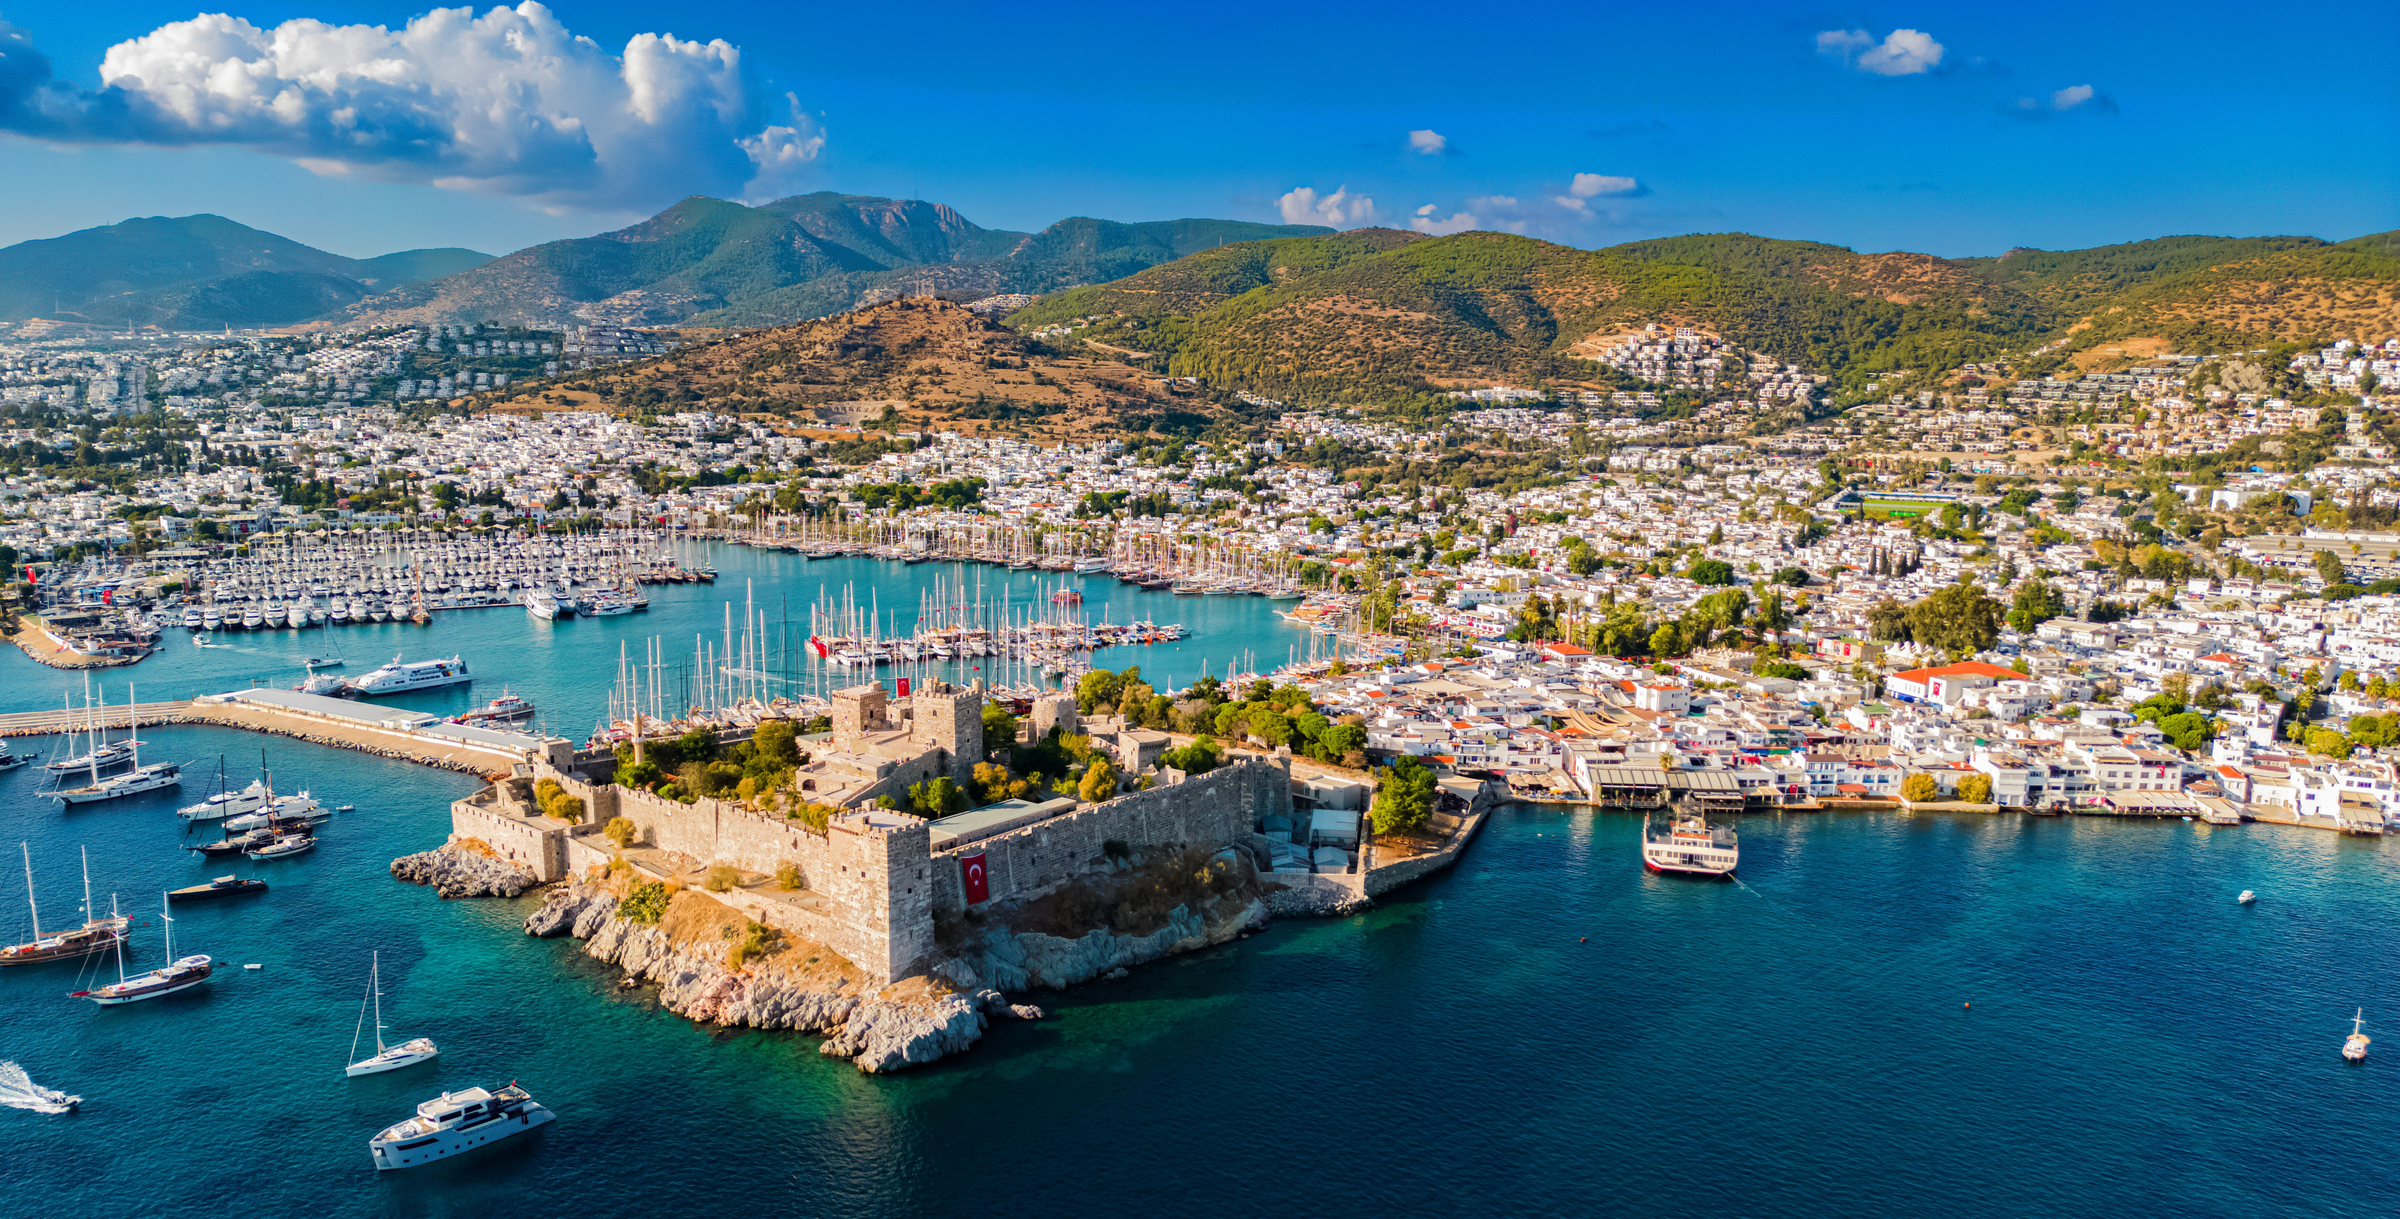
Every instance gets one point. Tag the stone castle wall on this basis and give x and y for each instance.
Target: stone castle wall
(1209, 810)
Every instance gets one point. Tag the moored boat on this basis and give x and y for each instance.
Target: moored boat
(180, 974)
(2354, 1047)
(97, 935)
(223, 886)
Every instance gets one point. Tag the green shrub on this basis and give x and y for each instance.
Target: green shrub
(1116, 848)
(621, 831)
(722, 877)
(788, 877)
(646, 902)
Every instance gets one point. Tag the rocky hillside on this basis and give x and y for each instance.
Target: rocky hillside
(925, 361)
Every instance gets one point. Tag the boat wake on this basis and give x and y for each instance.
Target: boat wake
(18, 1091)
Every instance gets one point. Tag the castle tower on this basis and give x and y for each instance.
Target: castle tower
(857, 710)
(951, 720)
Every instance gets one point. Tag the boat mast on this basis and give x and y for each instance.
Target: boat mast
(89, 914)
(375, 983)
(87, 888)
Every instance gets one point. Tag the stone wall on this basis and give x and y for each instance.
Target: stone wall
(513, 831)
(1209, 810)
(871, 869)
(1387, 877)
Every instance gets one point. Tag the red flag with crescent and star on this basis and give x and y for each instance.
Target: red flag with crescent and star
(978, 882)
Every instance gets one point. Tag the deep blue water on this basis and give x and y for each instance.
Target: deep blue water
(1544, 1030)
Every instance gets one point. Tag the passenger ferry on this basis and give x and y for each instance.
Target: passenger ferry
(401, 678)
(1691, 846)
(455, 1122)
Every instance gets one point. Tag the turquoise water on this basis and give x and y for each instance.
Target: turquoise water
(567, 667)
(1544, 1030)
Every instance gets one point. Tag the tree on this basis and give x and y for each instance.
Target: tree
(1342, 740)
(1975, 788)
(937, 797)
(1404, 800)
(1097, 689)
(1099, 781)
(1796, 577)
(1710, 571)
(1919, 787)
(1666, 641)
(2375, 731)
(2329, 567)
(1199, 757)
(999, 727)
(2328, 742)
(1959, 619)
(2036, 602)
(2187, 729)
(777, 742)
(1887, 622)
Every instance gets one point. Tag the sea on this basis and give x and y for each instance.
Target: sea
(1886, 1015)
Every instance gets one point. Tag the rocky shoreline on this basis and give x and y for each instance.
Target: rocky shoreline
(940, 1012)
(455, 871)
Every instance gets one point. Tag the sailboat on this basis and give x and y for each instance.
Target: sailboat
(385, 1058)
(97, 935)
(2354, 1047)
(167, 979)
(133, 782)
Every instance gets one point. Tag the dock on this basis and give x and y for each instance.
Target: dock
(391, 732)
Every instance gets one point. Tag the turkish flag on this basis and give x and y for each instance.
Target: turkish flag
(979, 883)
(819, 645)
(904, 687)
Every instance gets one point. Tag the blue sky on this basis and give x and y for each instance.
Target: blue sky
(1946, 128)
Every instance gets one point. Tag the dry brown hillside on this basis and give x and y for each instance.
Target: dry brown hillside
(932, 362)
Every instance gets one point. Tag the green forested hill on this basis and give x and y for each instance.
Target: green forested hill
(708, 262)
(1373, 313)
(196, 272)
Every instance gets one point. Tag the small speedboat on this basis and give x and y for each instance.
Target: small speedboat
(223, 886)
(2246, 898)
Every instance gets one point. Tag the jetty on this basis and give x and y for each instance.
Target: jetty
(391, 732)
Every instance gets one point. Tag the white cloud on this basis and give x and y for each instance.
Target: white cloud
(1901, 53)
(1341, 209)
(1459, 222)
(1428, 143)
(510, 102)
(1428, 210)
(1587, 185)
(2074, 99)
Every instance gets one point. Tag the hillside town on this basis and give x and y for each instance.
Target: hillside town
(2165, 590)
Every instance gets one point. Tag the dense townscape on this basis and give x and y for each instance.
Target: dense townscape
(2165, 587)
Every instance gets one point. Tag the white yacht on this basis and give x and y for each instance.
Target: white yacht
(192, 620)
(400, 678)
(456, 1122)
(1690, 845)
(227, 804)
(541, 604)
(385, 1058)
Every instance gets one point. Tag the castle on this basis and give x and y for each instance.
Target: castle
(871, 886)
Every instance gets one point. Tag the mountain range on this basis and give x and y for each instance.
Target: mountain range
(199, 272)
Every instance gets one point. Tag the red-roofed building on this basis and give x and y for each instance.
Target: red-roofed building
(1945, 684)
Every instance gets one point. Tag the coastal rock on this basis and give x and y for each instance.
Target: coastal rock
(457, 873)
(1019, 961)
(570, 908)
(886, 1035)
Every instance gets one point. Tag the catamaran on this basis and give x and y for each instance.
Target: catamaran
(178, 975)
(97, 935)
(385, 1058)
